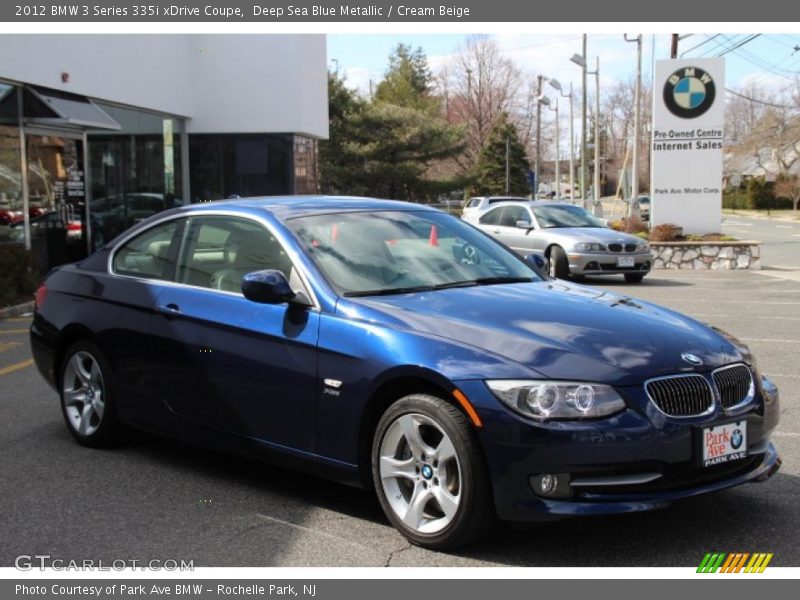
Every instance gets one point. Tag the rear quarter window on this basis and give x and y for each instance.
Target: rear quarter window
(150, 254)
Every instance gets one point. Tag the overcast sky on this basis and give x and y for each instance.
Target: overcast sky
(769, 59)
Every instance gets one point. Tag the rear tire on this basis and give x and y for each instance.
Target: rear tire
(430, 474)
(559, 265)
(87, 396)
(634, 277)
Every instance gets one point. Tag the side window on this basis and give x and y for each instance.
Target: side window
(492, 217)
(150, 254)
(475, 203)
(218, 251)
(512, 214)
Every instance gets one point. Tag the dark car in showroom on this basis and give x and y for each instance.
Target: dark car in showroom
(392, 346)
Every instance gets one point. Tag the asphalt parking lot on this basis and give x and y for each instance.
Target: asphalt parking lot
(154, 499)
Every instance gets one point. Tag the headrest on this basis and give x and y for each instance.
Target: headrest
(159, 249)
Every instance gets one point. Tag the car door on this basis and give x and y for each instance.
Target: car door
(501, 223)
(227, 362)
(537, 235)
(140, 268)
(518, 239)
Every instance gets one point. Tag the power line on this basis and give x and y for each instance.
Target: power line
(757, 101)
(708, 39)
(740, 44)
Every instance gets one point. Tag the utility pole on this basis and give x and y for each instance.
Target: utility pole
(583, 126)
(636, 125)
(596, 184)
(571, 149)
(538, 137)
(558, 155)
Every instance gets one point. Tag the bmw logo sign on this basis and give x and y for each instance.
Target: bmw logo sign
(427, 472)
(689, 92)
(736, 439)
(692, 359)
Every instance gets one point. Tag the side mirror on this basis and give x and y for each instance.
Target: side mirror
(267, 287)
(539, 262)
(524, 224)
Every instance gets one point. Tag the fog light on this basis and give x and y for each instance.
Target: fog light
(551, 485)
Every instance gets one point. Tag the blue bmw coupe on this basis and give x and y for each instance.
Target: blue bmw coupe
(395, 347)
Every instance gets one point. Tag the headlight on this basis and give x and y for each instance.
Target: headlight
(645, 247)
(589, 247)
(557, 399)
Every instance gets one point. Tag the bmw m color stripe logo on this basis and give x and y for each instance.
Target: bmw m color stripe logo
(734, 562)
(689, 92)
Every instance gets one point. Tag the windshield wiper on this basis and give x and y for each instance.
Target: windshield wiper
(439, 286)
(390, 291)
(455, 284)
(485, 281)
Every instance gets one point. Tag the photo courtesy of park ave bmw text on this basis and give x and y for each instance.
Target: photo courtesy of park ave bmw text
(290, 286)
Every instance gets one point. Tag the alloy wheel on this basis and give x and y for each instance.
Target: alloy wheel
(420, 473)
(83, 393)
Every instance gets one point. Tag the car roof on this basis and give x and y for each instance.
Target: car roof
(287, 207)
(533, 203)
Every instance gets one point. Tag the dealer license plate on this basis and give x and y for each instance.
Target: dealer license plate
(724, 443)
(625, 261)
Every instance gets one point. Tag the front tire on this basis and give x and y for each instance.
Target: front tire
(430, 474)
(559, 265)
(87, 399)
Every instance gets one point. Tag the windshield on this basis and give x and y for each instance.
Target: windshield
(393, 252)
(564, 216)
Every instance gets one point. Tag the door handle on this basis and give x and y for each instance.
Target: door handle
(170, 310)
(497, 231)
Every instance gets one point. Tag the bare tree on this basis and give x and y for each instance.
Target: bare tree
(789, 187)
(479, 84)
(617, 111)
(763, 126)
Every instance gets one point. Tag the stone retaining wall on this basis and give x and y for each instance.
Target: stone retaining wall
(706, 255)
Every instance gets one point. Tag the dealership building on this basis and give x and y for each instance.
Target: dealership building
(102, 131)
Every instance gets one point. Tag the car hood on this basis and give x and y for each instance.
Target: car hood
(557, 329)
(590, 234)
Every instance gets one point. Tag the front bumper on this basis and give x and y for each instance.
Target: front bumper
(607, 263)
(616, 450)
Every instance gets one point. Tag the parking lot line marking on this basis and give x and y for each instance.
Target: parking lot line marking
(13, 331)
(770, 317)
(662, 299)
(784, 375)
(8, 345)
(311, 530)
(19, 319)
(792, 434)
(770, 340)
(20, 365)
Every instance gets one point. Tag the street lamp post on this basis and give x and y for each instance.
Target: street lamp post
(538, 137)
(546, 101)
(580, 60)
(636, 118)
(558, 154)
(556, 85)
(596, 180)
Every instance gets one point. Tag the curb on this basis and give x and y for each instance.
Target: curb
(15, 311)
